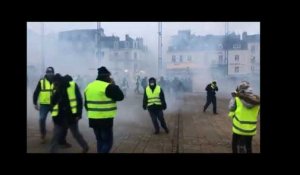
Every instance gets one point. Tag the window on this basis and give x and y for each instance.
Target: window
(220, 46)
(189, 58)
(180, 58)
(236, 69)
(116, 54)
(134, 67)
(135, 45)
(220, 59)
(173, 58)
(237, 46)
(102, 54)
(126, 54)
(252, 68)
(116, 44)
(253, 60)
(236, 58)
(135, 55)
(252, 48)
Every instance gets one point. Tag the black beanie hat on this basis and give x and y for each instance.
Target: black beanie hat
(152, 79)
(50, 70)
(103, 71)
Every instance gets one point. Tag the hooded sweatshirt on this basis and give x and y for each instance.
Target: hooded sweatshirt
(247, 97)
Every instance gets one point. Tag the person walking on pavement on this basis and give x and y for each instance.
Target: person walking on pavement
(100, 103)
(125, 86)
(42, 102)
(66, 111)
(244, 109)
(154, 101)
(144, 83)
(211, 96)
(136, 90)
(162, 83)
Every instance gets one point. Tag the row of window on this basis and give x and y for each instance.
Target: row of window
(135, 44)
(236, 69)
(236, 58)
(236, 46)
(116, 54)
(189, 58)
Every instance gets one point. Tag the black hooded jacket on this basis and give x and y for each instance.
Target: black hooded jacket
(210, 91)
(60, 97)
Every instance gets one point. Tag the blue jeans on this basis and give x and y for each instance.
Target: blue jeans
(104, 136)
(44, 110)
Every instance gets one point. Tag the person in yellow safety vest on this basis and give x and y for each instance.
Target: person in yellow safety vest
(41, 100)
(100, 97)
(154, 101)
(244, 109)
(66, 111)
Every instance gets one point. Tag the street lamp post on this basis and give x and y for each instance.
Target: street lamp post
(98, 37)
(159, 48)
(42, 48)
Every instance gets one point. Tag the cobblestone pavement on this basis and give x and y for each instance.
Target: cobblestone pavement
(191, 130)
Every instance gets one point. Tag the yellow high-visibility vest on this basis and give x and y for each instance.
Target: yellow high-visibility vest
(72, 100)
(244, 119)
(153, 97)
(99, 106)
(46, 92)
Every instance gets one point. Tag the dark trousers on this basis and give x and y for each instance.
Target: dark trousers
(241, 144)
(104, 136)
(137, 89)
(44, 110)
(213, 100)
(158, 115)
(59, 133)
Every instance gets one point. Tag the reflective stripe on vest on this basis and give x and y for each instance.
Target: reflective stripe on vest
(212, 86)
(72, 100)
(153, 96)
(231, 114)
(244, 119)
(46, 92)
(99, 106)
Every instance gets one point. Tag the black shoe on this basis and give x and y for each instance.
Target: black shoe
(216, 113)
(167, 131)
(156, 132)
(66, 145)
(85, 150)
(43, 139)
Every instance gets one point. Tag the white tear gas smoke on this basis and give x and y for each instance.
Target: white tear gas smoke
(77, 57)
(190, 64)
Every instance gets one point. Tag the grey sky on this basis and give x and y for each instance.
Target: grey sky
(141, 28)
(148, 30)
